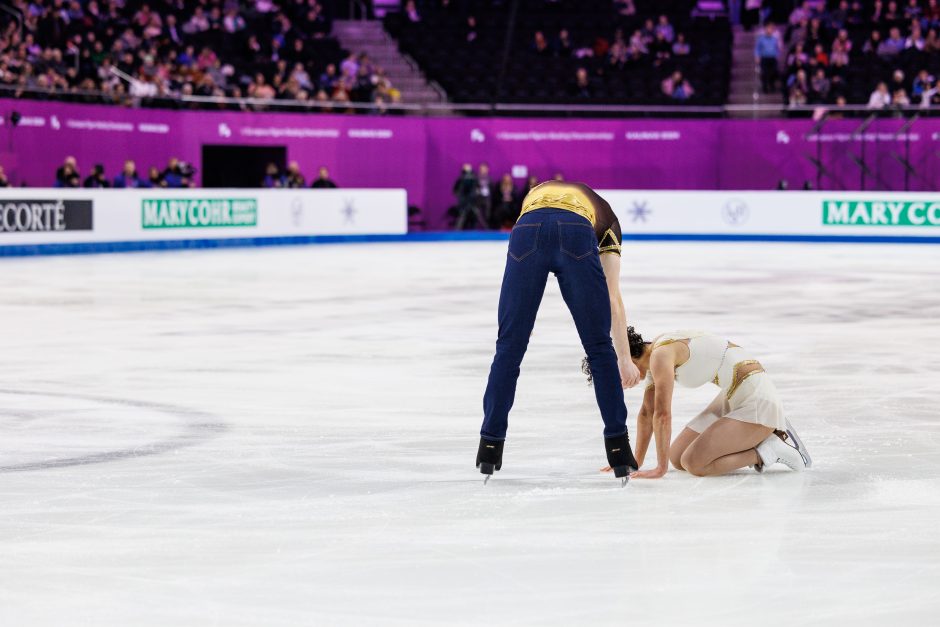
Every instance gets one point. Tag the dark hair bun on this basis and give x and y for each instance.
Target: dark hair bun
(636, 343)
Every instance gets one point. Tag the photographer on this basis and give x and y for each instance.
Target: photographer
(178, 174)
(465, 190)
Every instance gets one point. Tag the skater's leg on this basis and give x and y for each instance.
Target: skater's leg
(521, 294)
(679, 445)
(725, 446)
(697, 426)
(584, 289)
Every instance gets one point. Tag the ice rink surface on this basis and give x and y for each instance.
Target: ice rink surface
(287, 437)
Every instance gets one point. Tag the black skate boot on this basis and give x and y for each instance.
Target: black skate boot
(620, 457)
(489, 457)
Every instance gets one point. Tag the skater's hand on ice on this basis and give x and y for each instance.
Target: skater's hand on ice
(607, 469)
(656, 473)
(629, 373)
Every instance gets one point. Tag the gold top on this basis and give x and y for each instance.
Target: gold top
(559, 195)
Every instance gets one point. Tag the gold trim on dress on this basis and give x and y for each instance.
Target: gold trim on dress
(737, 379)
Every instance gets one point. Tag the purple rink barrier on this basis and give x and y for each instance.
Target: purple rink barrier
(424, 155)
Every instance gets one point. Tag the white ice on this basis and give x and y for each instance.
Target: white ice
(287, 436)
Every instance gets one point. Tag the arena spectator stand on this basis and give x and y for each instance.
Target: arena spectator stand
(153, 52)
(874, 53)
(569, 51)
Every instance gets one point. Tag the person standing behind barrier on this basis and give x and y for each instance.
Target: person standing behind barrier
(484, 192)
(766, 55)
(568, 230)
(465, 191)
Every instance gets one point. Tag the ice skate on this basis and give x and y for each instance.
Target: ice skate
(620, 457)
(489, 457)
(775, 450)
(795, 441)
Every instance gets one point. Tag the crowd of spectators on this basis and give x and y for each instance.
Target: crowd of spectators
(157, 52)
(879, 53)
(622, 51)
(652, 45)
(293, 178)
(176, 174)
(483, 202)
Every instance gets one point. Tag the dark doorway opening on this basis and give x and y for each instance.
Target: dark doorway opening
(239, 166)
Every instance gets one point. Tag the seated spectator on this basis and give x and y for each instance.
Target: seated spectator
(922, 83)
(892, 46)
(638, 43)
(839, 54)
(677, 87)
(128, 177)
(328, 78)
(661, 50)
(273, 179)
(411, 12)
(891, 14)
(932, 42)
(97, 178)
(900, 99)
(932, 14)
(323, 180)
(914, 41)
(820, 56)
(626, 8)
(540, 44)
(648, 31)
(681, 47)
(839, 17)
(665, 29)
(797, 97)
(294, 179)
(873, 43)
(564, 47)
(820, 86)
(898, 81)
(880, 98)
(582, 87)
(155, 177)
(798, 88)
(472, 34)
(797, 58)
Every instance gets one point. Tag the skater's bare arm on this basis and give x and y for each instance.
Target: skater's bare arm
(644, 425)
(629, 374)
(663, 367)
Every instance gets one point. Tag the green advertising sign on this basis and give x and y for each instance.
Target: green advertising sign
(191, 213)
(880, 213)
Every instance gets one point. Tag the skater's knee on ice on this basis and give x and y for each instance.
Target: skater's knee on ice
(675, 458)
(693, 463)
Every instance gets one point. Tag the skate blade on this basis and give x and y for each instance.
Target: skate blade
(486, 479)
(807, 460)
(623, 482)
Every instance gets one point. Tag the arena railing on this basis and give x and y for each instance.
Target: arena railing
(463, 109)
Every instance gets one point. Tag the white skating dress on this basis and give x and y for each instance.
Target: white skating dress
(749, 397)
